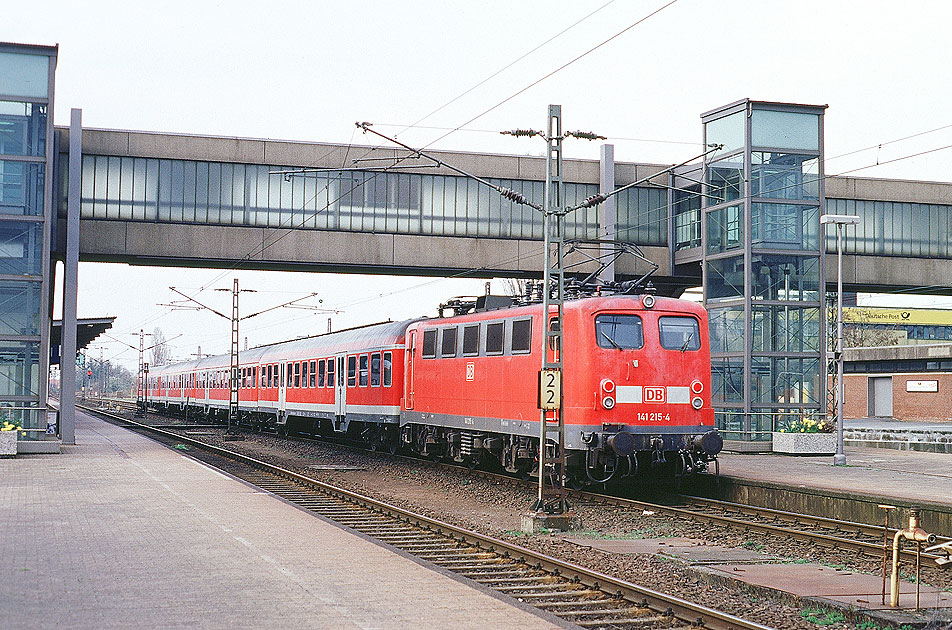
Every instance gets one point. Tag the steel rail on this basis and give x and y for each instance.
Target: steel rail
(687, 611)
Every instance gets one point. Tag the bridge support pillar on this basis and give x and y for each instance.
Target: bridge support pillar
(67, 416)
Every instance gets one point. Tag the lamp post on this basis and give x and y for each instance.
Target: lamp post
(839, 220)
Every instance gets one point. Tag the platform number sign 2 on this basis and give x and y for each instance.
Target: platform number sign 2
(550, 389)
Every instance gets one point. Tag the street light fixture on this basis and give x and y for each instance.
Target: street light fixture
(839, 220)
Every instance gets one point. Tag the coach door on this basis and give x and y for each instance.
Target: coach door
(408, 371)
(340, 387)
(282, 391)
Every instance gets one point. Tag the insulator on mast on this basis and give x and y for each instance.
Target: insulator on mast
(511, 194)
(594, 200)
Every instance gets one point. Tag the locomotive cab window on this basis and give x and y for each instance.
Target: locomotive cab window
(679, 333)
(351, 371)
(521, 336)
(619, 332)
(448, 346)
(429, 344)
(471, 340)
(495, 337)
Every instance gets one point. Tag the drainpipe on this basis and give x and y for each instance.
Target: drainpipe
(917, 535)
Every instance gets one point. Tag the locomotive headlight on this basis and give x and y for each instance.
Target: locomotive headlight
(608, 402)
(608, 385)
(648, 301)
(697, 387)
(696, 402)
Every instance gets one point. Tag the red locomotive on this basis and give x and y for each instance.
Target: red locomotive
(636, 387)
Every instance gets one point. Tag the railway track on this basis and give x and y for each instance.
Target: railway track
(586, 598)
(826, 532)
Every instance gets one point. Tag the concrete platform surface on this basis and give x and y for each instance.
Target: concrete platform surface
(120, 532)
(904, 475)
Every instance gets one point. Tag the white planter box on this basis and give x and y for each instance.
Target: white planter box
(8, 443)
(804, 443)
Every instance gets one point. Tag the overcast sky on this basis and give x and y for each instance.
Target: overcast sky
(308, 70)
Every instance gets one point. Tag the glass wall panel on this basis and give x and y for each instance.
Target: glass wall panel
(726, 328)
(725, 229)
(21, 248)
(787, 278)
(20, 307)
(784, 130)
(19, 368)
(784, 175)
(786, 381)
(687, 229)
(641, 215)
(728, 131)
(730, 423)
(21, 187)
(786, 329)
(785, 226)
(727, 380)
(725, 179)
(24, 75)
(725, 278)
(22, 128)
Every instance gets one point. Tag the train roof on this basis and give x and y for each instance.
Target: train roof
(383, 335)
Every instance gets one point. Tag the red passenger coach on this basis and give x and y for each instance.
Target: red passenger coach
(636, 386)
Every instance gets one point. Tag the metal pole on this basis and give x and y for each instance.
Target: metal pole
(840, 458)
(233, 390)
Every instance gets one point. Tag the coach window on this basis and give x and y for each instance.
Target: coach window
(351, 371)
(521, 336)
(268, 377)
(387, 369)
(448, 345)
(495, 337)
(330, 372)
(276, 376)
(304, 374)
(471, 340)
(320, 373)
(290, 379)
(313, 373)
(679, 333)
(254, 376)
(619, 331)
(297, 374)
(363, 370)
(375, 369)
(429, 344)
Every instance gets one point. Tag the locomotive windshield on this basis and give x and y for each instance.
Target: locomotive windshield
(619, 331)
(679, 333)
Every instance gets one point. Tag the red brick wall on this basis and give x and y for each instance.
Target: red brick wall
(923, 406)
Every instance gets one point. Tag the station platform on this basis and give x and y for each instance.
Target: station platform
(119, 532)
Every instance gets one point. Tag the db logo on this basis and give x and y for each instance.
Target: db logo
(654, 394)
(470, 371)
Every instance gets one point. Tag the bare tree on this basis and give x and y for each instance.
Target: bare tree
(160, 350)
